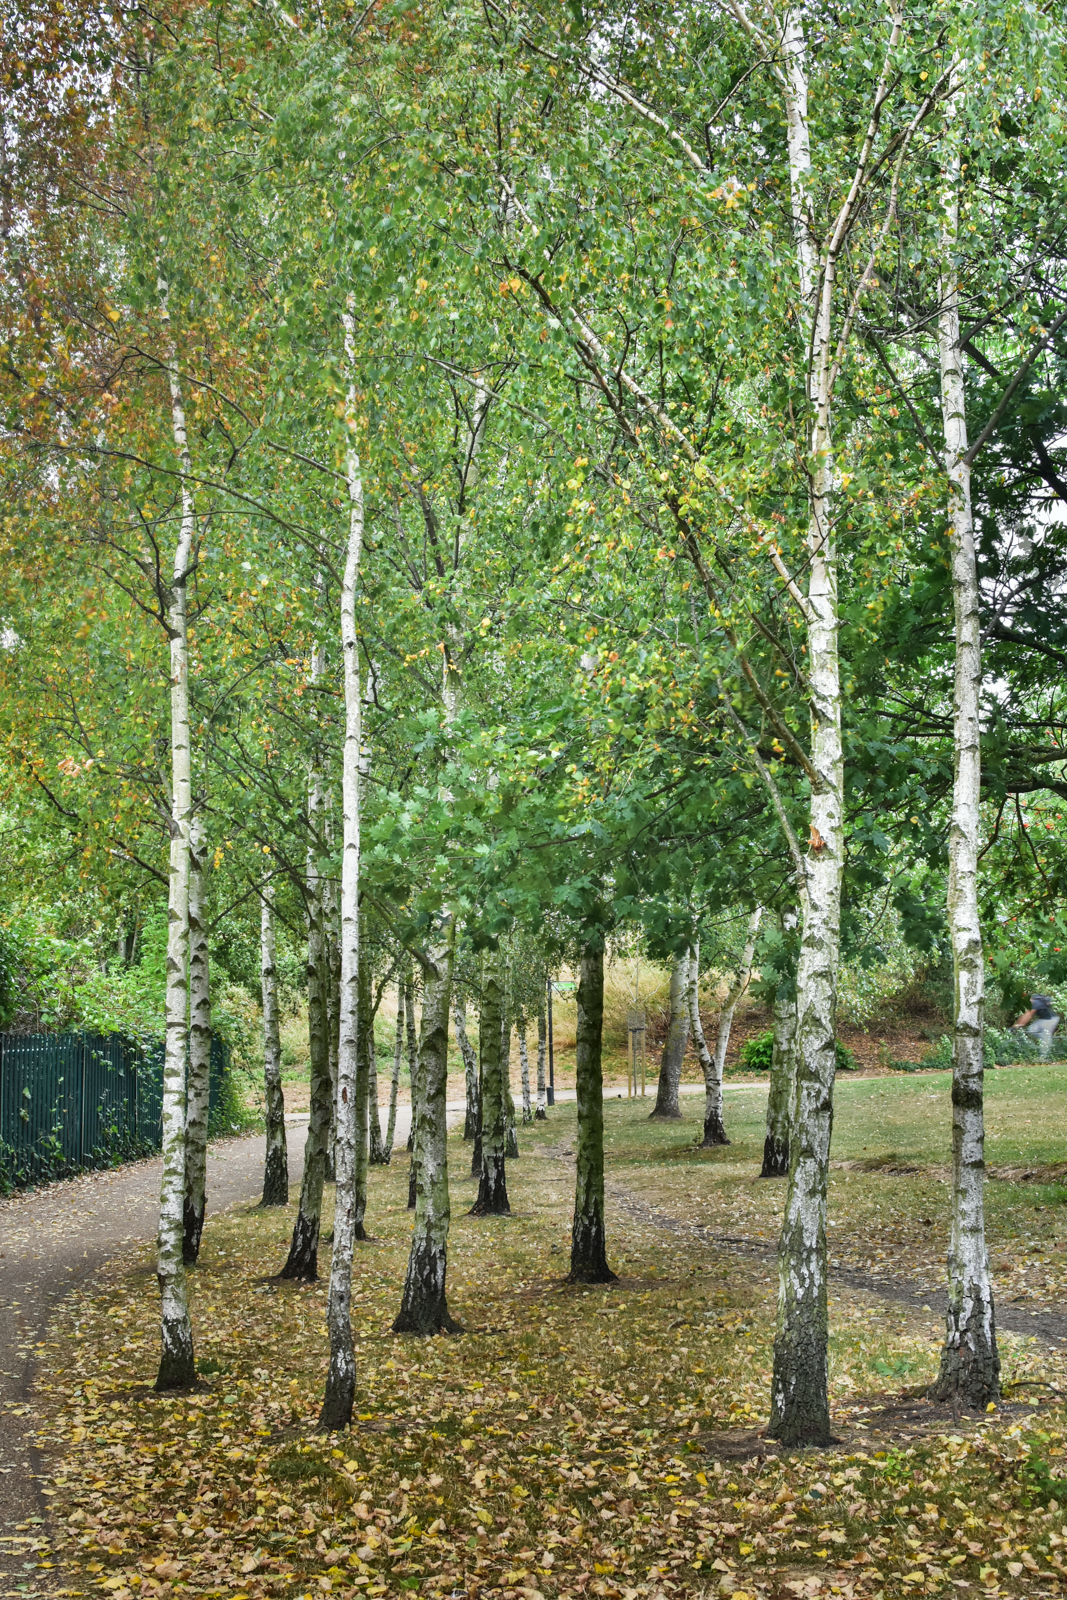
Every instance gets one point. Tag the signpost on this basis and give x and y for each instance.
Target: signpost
(635, 1025)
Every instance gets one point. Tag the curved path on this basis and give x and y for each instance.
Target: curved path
(51, 1239)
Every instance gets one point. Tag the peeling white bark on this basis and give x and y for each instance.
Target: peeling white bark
(276, 1158)
(524, 1071)
(177, 1367)
(341, 1378)
(970, 1363)
(198, 1092)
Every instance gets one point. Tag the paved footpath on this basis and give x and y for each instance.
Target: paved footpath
(51, 1239)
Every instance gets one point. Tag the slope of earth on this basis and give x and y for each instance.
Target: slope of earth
(572, 1441)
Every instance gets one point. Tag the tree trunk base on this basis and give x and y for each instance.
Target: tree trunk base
(775, 1159)
(275, 1179)
(470, 1127)
(424, 1307)
(589, 1256)
(492, 1198)
(378, 1158)
(800, 1405)
(665, 1115)
(303, 1263)
(540, 1115)
(177, 1366)
(511, 1146)
(192, 1230)
(337, 1403)
(714, 1133)
(970, 1364)
(359, 1233)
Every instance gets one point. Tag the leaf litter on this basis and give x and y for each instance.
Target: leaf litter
(572, 1441)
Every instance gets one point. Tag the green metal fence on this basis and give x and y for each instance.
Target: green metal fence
(70, 1101)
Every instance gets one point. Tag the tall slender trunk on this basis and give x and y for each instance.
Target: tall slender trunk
(970, 1362)
(492, 1198)
(714, 1132)
(800, 1401)
(378, 1155)
(394, 1086)
(541, 1113)
(332, 942)
(303, 1259)
(276, 1160)
(177, 1366)
(782, 1085)
(424, 1307)
(341, 1379)
(413, 1078)
(470, 1067)
(511, 1135)
(524, 1071)
(198, 1093)
(413, 1052)
(361, 1126)
(589, 1261)
(670, 1071)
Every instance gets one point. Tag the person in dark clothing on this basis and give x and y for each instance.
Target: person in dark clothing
(1040, 1022)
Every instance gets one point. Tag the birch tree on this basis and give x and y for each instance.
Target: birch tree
(198, 1093)
(276, 1159)
(341, 1378)
(177, 1367)
(424, 1308)
(589, 1263)
(970, 1362)
(492, 1198)
(670, 1071)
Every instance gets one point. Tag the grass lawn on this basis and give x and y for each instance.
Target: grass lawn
(576, 1441)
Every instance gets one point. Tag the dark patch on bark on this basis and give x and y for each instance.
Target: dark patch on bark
(275, 1178)
(492, 1198)
(970, 1362)
(192, 1231)
(303, 1263)
(775, 1159)
(476, 1153)
(511, 1147)
(339, 1398)
(589, 1253)
(540, 1115)
(714, 1132)
(412, 1187)
(424, 1308)
(177, 1366)
(800, 1406)
(966, 1098)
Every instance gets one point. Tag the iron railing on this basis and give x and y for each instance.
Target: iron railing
(70, 1101)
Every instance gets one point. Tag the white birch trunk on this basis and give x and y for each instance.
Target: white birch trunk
(424, 1307)
(800, 1404)
(524, 1072)
(303, 1259)
(470, 1068)
(198, 1092)
(541, 1113)
(714, 1066)
(970, 1363)
(177, 1366)
(341, 1378)
(394, 1085)
(276, 1159)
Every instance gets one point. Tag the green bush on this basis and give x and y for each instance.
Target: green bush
(758, 1053)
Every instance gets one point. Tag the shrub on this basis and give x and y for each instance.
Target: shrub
(757, 1054)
